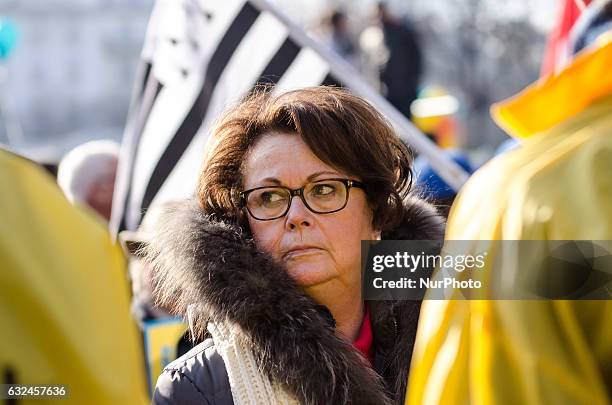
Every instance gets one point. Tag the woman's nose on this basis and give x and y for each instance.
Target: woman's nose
(298, 215)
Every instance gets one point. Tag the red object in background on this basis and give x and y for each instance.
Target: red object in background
(556, 46)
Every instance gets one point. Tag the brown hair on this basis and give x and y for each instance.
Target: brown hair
(341, 129)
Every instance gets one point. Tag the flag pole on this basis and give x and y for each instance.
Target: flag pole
(453, 174)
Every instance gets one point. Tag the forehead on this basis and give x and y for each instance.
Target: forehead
(284, 157)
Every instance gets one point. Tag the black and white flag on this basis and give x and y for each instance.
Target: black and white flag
(200, 57)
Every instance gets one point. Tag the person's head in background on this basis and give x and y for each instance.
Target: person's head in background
(86, 174)
(384, 14)
(339, 22)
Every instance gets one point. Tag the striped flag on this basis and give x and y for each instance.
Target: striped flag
(199, 58)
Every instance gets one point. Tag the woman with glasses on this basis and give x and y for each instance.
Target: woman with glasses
(265, 265)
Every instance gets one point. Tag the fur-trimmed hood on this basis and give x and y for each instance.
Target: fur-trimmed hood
(212, 271)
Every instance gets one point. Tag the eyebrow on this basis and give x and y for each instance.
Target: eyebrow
(308, 179)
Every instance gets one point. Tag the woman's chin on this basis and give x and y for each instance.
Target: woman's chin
(307, 273)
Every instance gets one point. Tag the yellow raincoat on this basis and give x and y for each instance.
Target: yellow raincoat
(556, 186)
(64, 300)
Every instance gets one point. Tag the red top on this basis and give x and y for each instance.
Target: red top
(364, 339)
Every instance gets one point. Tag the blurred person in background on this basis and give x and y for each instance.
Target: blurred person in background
(165, 337)
(64, 296)
(401, 73)
(341, 40)
(87, 175)
(556, 186)
(434, 114)
(143, 308)
(265, 265)
(433, 187)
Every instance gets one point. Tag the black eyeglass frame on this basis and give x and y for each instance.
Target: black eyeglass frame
(348, 183)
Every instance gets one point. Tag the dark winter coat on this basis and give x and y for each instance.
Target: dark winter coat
(213, 269)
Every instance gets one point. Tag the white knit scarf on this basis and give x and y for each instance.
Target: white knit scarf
(248, 384)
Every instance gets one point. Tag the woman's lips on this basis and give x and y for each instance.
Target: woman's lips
(292, 254)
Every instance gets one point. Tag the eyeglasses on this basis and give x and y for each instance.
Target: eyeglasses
(321, 197)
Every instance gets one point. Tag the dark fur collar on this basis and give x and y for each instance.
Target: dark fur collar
(213, 269)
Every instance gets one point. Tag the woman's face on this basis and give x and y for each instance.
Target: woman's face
(328, 244)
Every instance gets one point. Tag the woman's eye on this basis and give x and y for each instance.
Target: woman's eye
(323, 189)
(270, 197)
